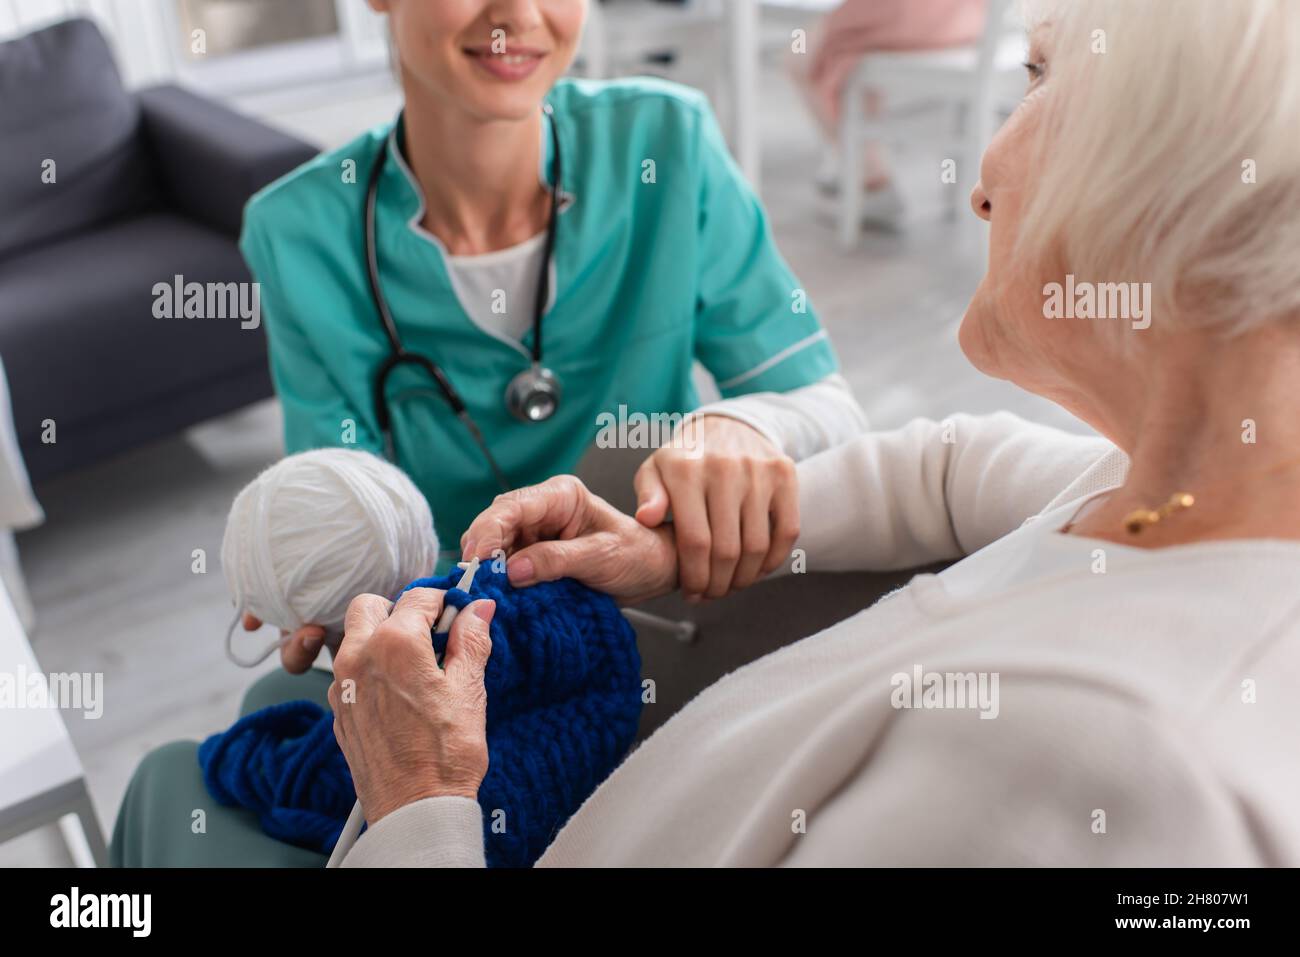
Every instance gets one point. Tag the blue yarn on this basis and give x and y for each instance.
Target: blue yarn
(563, 702)
(284, 763)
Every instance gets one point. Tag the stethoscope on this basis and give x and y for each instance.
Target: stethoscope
(532, 396)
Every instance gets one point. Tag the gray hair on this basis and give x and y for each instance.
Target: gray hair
(1168, 152)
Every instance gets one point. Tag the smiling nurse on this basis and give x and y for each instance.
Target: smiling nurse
(504, 202)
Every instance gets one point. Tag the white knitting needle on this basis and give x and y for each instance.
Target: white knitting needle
(465, 584)
(352, 829)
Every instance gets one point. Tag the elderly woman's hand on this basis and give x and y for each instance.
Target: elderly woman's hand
(409, 728)
(559, 529)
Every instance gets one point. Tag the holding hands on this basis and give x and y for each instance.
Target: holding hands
(735, 516)
(734, 503)
(560, 529)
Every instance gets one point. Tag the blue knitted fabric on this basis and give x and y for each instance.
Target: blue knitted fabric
(563, 702)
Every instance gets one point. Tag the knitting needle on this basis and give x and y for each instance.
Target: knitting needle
(352, 829)
(465, 584)
(684, 631)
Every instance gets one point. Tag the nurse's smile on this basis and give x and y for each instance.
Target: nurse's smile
(517, 63)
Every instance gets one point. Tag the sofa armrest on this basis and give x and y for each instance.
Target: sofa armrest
(212, 159)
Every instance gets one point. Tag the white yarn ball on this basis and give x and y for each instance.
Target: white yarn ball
(319, 528)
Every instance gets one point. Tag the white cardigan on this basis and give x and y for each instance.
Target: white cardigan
(1145, 708)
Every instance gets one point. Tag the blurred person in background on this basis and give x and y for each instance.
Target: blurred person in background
(837, 45)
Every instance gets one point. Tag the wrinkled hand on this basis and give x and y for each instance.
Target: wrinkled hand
(560, 529)
(734, 501)
(409, 728)
(299, 651)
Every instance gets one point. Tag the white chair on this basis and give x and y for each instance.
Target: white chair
(621, 36)
(974, 86)
(797, 11)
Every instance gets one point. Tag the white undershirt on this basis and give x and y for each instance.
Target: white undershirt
(498, 291)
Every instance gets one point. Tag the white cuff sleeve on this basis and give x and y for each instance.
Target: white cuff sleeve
(801, 422)
(434, 832)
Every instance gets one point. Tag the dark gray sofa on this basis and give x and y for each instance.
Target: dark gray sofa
(147, 186)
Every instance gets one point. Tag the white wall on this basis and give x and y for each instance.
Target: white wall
(135, 28)
(145, 37)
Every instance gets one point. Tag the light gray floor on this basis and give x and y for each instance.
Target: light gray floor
(111, 570)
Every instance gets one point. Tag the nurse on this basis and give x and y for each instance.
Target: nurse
(472, 287)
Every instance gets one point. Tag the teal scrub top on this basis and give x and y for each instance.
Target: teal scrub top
(663, 255)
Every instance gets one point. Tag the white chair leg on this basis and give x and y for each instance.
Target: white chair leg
(743, 24)
(966, 158)
(726, 104)
(595, 44)
(850, 166)
(82, 836)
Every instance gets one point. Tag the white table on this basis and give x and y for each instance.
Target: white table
(19, 509)
(41, 778)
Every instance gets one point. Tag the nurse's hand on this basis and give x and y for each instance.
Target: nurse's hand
(300, 651)
(560, 529)
(734, 502)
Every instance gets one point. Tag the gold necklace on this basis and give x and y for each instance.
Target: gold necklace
(1141, 518)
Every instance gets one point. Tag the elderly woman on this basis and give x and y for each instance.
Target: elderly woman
(1134, 645)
